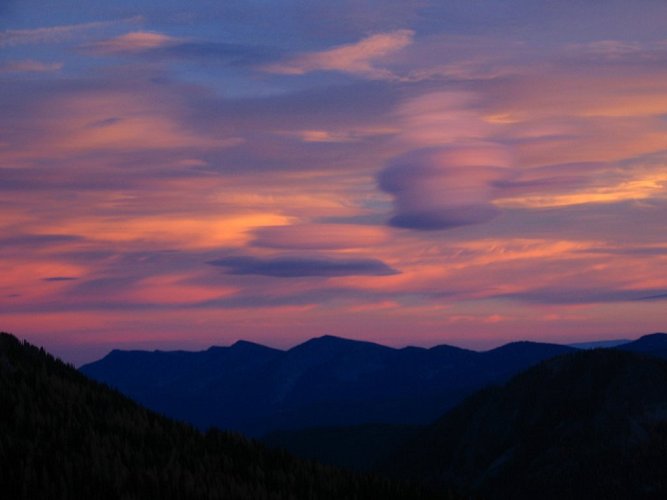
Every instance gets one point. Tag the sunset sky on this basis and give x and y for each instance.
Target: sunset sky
(179, 174)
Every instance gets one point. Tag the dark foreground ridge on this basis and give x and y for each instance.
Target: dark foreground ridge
(585, 425)
(65, 436)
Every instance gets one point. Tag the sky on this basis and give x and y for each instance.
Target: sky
(180, 174)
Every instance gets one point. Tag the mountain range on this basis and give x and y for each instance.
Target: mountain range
(325, 381)
(365, 446)
(582, 424)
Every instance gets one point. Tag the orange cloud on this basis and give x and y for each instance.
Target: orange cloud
(640, 188)
(197, 232)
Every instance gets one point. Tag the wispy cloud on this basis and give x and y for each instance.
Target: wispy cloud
(155, 46)
(319, 236)
(359, 58)
(56, 34)
(138, 41)
(30, 66)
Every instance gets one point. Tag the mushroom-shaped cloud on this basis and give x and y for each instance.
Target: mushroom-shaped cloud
(446, 187)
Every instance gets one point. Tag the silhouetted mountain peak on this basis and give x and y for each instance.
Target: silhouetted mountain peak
(654, 344)
(519, 345)
(247, 346)
(330, 340)
(653, 339)
(332, 344)
(333, 339)
(528, 348)
(442, 348)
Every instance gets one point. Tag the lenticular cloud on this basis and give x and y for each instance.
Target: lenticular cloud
(446, 187)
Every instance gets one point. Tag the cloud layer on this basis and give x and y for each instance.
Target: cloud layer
(422, 172)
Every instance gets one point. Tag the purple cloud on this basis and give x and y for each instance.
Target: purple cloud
(296, 267)
(443, 188)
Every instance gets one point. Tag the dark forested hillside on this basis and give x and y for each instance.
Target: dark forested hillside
(360, 447)
(585, 425)
(65, 436)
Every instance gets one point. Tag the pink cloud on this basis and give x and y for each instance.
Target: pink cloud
(138, 41)
(357, 58)
(444, 117)
(56, 34)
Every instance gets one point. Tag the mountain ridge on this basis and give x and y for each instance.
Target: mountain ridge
(324, 381)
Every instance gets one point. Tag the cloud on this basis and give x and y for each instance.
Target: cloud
(311, 297)
(319, 236)
(641, 251)
(660, 296)
(443, 188)
(357, 58)
(617, 51)
(73, 118)
(138, 41)
(438, 118)
(38, 240)
(56, 34)
(297, 267)
(587, 295)
(339, 136)
(594, 185)
(30, 66)
(60, 278)
(157, 46)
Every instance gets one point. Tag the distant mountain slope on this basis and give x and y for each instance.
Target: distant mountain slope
(597, 344)
(326, 381)
(591, 424)
(654, 344)
(63, 436)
